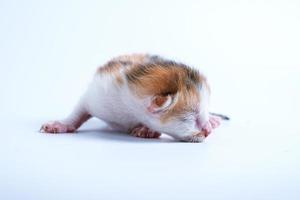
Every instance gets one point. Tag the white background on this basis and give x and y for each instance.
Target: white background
(249, 50)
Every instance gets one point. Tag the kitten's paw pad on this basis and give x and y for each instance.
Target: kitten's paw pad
(144, 132)
(57, 127)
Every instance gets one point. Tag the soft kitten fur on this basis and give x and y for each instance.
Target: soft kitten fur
(145, 95)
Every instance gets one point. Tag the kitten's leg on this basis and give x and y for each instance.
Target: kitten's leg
(69, 124)
(144, 132)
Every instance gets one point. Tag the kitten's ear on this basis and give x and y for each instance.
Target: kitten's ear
(160, 103)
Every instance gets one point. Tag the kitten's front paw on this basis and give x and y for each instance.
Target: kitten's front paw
(195, 138)
(57, 127)
(211, 124)
(144, 132)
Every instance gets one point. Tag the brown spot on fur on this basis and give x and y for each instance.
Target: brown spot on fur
(119, 79)
(110, 67)
(115, 65)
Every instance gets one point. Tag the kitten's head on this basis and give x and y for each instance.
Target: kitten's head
(175, 98)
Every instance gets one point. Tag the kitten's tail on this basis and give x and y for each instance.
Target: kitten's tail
(224, 117)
